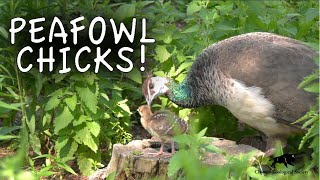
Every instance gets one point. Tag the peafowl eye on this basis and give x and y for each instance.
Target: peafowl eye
(254, 75)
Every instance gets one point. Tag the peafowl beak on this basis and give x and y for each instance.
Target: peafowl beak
(150, 98)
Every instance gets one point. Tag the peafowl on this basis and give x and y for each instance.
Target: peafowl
(162, 124)
(254, 75)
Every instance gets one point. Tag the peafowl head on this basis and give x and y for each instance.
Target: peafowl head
(152, 87)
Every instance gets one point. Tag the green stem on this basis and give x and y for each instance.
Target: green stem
(24, 130)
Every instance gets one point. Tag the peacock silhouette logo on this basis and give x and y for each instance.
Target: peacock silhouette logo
(283, 159)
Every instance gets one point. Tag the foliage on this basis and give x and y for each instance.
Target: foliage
(311, 120)
(74, 116)
(69, 116)
(187, 163)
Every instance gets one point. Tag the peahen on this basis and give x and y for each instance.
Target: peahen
(254, 75)
(162, 124)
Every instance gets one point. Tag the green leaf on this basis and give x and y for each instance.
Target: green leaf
(59, 77)
(213, 149)
(35, 143)
(65, 146)
(310, 121)
(85, 165)
(142, 4)
(193, 7)
(46, 119)
(84, 136)
(8, 106)
(201, 133)
(61, 142)
(88, 98)
(183, 139)
(162, 53)
(125, 11)
(71, 102)
(7, 137)
(62, 120)
(184, 113)
(5, 130)
(182, 67)
(94, 128)
(53, 102)
(31, 122)
(66, 167)
(122, 104)
(135, 75)
(175, 162)
(291, 29)
(3, 32)
(305, 117)
(192, 29)
(311, 14)
(225, 27)
(44, 172)
(37, 80)
(307, 80)
(87, 77)
(314, 88)
(81, 119)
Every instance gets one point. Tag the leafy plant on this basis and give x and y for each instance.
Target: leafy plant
(311, 120)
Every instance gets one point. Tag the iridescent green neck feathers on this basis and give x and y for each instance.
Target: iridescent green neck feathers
(180, 93)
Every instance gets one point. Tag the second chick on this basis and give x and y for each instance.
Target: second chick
(162, 124)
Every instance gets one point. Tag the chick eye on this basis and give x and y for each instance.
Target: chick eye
(150, 86)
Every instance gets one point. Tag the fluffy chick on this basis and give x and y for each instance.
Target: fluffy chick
(162, 124)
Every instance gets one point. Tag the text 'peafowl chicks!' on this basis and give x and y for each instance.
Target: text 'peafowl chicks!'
(162, 124)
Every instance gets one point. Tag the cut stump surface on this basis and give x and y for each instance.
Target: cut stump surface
(133, 161)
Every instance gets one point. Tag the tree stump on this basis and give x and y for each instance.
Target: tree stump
(132, 161)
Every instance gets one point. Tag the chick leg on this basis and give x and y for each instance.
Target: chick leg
(160, 151)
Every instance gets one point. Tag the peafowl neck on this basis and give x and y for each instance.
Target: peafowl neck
(197, 91)
(181, 94)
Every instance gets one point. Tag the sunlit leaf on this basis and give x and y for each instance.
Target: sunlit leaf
(71, 102)
(84, 136)
(35, 143)
(162, 53)
(312, 88)
(88, 98)
(53, 102)
(63, 120)
(193, 7)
